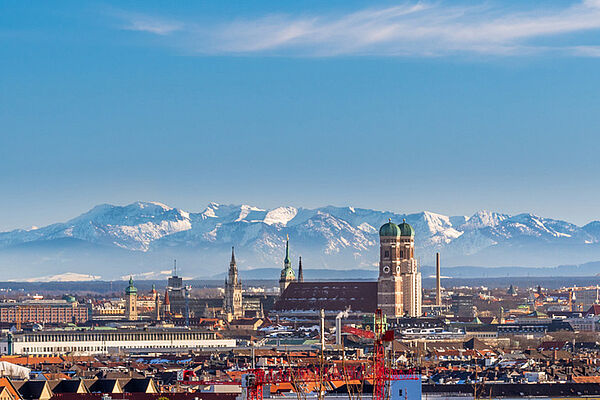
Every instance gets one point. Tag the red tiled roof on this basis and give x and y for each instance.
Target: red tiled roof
(553, 345)
(330, 296)
(594, 310)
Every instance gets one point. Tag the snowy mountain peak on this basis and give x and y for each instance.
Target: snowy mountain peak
(326, 237)
(280, 215)
(482, 219)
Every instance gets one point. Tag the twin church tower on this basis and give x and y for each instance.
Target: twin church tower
(399, 283)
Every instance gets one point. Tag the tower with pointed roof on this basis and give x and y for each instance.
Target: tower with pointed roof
(131, 311)
(287, 273)
(300, 272)
(156, 298)
(166, 305)
(232, 302)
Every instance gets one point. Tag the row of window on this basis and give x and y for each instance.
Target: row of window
(68, 349)
(115, 336)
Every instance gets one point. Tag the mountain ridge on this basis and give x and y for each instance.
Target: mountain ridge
(145, 236)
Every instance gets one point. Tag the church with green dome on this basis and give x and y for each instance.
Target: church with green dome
(399, 283)
(397, 291)
(287, 273)
(131, 294)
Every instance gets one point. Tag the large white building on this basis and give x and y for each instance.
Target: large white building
(99, 341)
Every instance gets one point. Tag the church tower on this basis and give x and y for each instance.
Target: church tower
(156, 298)
(232, 303)
(300, 272)
(287, 273)
(131, 311)
(166, 305)
(157, 307)
(399, 284)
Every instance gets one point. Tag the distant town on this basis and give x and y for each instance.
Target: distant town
(292, 336)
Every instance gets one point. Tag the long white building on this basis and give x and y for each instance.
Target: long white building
(99, 341)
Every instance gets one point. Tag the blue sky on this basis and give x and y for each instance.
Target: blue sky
(406, 106)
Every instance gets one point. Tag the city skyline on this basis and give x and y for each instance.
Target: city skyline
(491, 107)
(358, 199)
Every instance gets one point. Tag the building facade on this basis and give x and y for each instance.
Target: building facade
(232, 302)
(399, 283)
(463, 305)
(96, 341)
(44, 312)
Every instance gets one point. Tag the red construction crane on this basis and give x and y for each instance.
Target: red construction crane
(380, 373)
(380, 376)
(254, 380)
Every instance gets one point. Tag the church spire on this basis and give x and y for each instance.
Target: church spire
(300, 273)
(232, 302)
(233, 271)
(287, 273)
(287, 250)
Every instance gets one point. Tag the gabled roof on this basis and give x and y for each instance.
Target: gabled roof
(103, 386)
(5, 393)
(146, 385)
(6, 383)
(594, 310)
(329, 296)
(37, 390)
(68, 386)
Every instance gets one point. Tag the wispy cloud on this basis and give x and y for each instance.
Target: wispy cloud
(149, 24)
(411, 29)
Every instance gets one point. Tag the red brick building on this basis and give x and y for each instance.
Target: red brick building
(44, 311)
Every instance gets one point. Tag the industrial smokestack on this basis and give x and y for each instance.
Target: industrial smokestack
(438, 285)
(338, 326)
(322, 315)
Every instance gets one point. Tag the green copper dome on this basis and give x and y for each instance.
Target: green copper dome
(69, 298)
(389, 229)
(131, 289)
(406, 229)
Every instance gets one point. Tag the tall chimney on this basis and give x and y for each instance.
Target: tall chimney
(438, 286)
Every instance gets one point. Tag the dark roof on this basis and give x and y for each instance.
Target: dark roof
(31, 389)
(103, 386)
(67, 386)
(553, 345)
(118, 374)
(136, 385)
(330, 296)
(481, 328)
(475, 344)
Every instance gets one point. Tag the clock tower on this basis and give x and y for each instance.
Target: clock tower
(399, 283)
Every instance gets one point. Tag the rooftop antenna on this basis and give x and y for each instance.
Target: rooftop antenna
(174, 267)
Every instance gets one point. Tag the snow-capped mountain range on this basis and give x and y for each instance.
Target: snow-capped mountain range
(142, 237)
